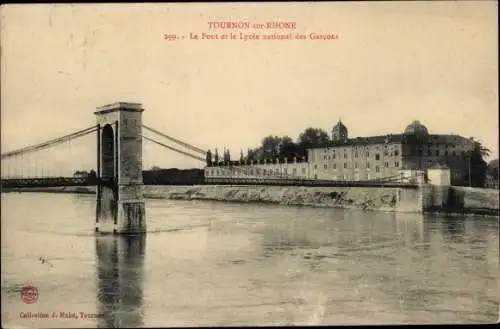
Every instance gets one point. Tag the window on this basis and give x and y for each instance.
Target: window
(377, 168)
(437, 152)
(396, 164)
(315, 166)
(377, 156)
(385, 153)
(345, 165)
(368, 165)
(356, 154)
(333, 156)
(453, 153)
(303, 170)
(367, 154)
(429, 152)
(345, 155)
(396, 152)
(294, 171)
(285, 171)
(326, 166)
(355, 165)
(446, 153)
(387, 164)
(334, 166)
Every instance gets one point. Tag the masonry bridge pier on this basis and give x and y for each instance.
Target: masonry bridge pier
(120, 205)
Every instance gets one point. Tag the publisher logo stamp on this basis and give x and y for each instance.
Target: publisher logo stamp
(29, 294)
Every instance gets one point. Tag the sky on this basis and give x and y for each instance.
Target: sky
(390, 64)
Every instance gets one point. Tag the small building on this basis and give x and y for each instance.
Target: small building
(439, 175)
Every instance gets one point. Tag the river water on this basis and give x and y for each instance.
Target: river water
(215, 264)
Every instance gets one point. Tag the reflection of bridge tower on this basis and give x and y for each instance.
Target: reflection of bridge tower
(120, 207)
(120, 275)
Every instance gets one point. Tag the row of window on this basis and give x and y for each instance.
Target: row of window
(334, 166)
(437, 153)
(254, 171)
(396, 153)
(377, 155)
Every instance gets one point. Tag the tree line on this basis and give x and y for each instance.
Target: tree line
(282, 147)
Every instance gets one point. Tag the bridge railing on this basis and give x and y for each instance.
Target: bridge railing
(56, 182)
(304, 182)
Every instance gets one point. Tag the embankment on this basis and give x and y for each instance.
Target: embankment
(453, 199)
(343, 197)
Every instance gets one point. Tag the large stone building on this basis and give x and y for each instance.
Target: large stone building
(367, 158)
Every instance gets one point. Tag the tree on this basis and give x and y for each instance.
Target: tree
(227, 155)
(493, 169)
(313, 137)
(209, 158)
(270, 146)
(155, 168)
(492, 174)
(284, 143)
(476, 174)
(216, 156)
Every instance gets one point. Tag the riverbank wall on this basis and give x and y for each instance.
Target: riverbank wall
(427, 198)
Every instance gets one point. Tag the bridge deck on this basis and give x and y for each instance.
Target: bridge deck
(92, 181)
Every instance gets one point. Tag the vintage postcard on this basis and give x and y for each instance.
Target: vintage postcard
(241, 164)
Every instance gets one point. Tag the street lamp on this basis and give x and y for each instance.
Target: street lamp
(469, 172)
(469, 156)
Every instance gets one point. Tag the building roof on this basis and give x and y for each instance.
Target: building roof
(395, 138)
(416, 128)
(340, 125)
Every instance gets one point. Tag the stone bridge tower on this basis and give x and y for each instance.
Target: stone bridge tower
(120, 206)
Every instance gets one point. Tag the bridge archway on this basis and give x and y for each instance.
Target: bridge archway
(108, 152)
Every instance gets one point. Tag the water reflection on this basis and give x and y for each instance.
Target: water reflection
(120, 280)
(346, 232)
(453, 229)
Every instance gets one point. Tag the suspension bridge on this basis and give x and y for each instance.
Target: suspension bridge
(118, 139)
(31, 167)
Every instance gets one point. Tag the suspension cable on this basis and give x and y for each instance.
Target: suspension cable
(174, 149)
(189, 146)
(50, 143)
